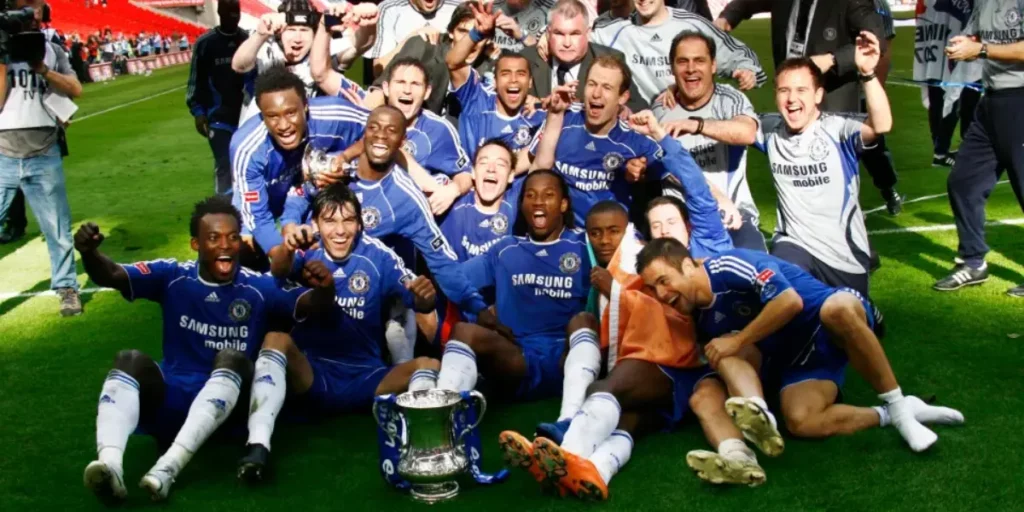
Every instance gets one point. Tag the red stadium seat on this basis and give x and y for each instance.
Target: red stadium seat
(120, 16)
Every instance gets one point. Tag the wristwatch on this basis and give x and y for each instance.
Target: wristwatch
(983, 52)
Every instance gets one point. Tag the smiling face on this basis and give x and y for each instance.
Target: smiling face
(385, 132)
(605, 231)
(407, 90)
(543, 207)
(492, 173)
(284, 114)
(512, 81)
(339, 228)
(694, 70)
(672, 285)
(567, 38)
(296, 40)
(666, 221)
(648, 8)
(426, 6)
(603, 96)
(797, 98)
(218, 242)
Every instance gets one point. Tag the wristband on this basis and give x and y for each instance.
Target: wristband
(700, 125)
(868, 77)
(475, 35)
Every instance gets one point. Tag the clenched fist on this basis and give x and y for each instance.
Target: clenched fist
(88, 238)
(316, 275)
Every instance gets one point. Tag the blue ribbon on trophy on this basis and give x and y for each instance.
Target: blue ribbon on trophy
(466, 418)
(390, 432)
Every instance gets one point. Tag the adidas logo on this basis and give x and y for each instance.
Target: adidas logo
(542, 253)
(591, 146)
(212, 297)
(266, 378)
(105, 399)
(508, 129)
(656, 38)
(719, 316)
(338, 274)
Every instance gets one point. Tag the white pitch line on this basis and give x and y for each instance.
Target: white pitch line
(49, 293)
(941, 227)
(130, 103)
(922, 198)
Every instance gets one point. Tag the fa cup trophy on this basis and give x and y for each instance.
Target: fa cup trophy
(428, 440)
(316, 162)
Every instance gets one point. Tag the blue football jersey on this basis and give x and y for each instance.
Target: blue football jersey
(708, 236)
(434, 144)
(481, 122)
(202, 318)
(538, 286)
(364, 282)
(472, 232)
(743, 281)
(595, 166)
(263, 173)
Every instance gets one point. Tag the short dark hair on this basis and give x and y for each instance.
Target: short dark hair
(387, 108)
(607, 206)
(672, 200)
(409, 62)
(801, 63)
(333, 197)
(213, 205)
(461, 13)
(505, 54)
(687, 35)
(568, 218)
(278, 78)
(503, 145)
(668, 249)
(612, 61)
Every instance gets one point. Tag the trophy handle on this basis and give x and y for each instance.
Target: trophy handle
(482, 403)
(401, 417)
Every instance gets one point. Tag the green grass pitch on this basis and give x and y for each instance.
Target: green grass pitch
(137, 170)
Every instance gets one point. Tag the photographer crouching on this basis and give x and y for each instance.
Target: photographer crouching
(37, 72)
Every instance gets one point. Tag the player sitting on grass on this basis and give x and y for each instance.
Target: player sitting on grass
(335, 360)
(808, 330)
(541, 282)
(215, 315)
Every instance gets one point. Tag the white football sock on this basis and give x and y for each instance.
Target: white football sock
(934, 414)
(612, 454)
(211, 407)
(117, 415)
(422, 380)
(883, 415)
(458, 367)
(901, 414)
(596, 420)
(398, 343)
(736, 449)
(582, 364)
(269, 388)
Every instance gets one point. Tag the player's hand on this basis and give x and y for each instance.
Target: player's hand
(723, 25)
(531, 105)
(442, 198)
(681, 127)
(203, 126)
(489, 318)
(509, 25)
(542, 47)
(645, 123)
(351, 93)
(636, 169)
(746, 78)
(731, 217)
(316, 275)
(483, 14)
(428, 34)
(561, 98)
(423, 290)
(667, 97)
(867, 52)
(270, 24)
(963, 48)
(824, 62)
(721, 348)
(298, 237)
(88, 238)
(601, 279)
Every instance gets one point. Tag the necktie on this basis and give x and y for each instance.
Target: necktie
(560, 74)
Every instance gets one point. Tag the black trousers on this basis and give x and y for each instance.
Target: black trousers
(878, 161)
(220, 144)
(994, 144)
(942, 127)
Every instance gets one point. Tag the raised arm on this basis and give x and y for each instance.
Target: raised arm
(100, 268)
(544, 147)
(458, 68)
(879, 121)
(244, 59)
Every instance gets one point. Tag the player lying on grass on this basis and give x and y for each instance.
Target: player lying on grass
(808, 331)
(541, 281)
(215, 315)
(334, 361)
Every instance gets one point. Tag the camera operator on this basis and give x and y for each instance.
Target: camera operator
(30, 157)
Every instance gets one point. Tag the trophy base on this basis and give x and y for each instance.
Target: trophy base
(434, 493)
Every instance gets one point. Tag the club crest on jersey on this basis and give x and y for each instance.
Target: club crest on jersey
(371, 217)
(742, 309)
(409, 147)
(522, 136)
(819, 149)
(533, 26)
(612, 161)
(499, 224)
(830, 34)
(1012, 17)
(239, 310)
(569, 263)
(358, 282)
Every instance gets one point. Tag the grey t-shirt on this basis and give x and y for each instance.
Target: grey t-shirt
(999, 22)
(30, 142)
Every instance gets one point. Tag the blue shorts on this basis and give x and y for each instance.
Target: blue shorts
(343, 387)
(544, 368)
(821, 359)
(180, 390)
(684, 381)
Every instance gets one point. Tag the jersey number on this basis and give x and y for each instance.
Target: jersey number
(27, 80)
(927, 54)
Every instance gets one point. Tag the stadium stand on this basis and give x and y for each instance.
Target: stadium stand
(120, 16)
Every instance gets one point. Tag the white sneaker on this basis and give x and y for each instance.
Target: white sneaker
(902, 416)
(158, 482)
(934, 414)
(105, 480)
(717, 469)
(758, 425)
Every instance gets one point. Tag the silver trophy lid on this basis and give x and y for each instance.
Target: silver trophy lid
(428, 399)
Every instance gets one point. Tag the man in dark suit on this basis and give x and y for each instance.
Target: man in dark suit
(570, 54)
(826, 31)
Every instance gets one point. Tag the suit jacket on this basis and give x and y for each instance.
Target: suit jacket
(834, 29)
(541, 71)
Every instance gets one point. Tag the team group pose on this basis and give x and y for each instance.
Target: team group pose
(499, 205)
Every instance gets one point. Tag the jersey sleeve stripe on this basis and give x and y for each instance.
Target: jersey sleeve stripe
(452, 132)
(242, 157)
(399, 264)
(404, 182)
(740, 263)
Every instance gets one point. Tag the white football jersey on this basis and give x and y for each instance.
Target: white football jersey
(398, 19)
(940, 21)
